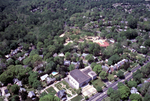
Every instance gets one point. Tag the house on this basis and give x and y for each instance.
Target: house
(44, 77)
(142, 47)
(55, 55)
(148, 80)
(50, 80)
(31, 94)
(15, 80)
(84, 55)
(105, 68)
(67, 63)
(61, 55)
(134, 91)
(19, 83)
(80, 78)
(62, 95)
(4, 91)
(22, 90)
(76, 64)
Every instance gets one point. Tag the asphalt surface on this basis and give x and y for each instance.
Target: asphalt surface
(128, 76)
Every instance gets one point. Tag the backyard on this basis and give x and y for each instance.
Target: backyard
(98, 83)
(64, 85)
(51, 90)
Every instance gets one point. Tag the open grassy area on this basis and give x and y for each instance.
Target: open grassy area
(51, 90)
(65, 86)
(97, 82)
(77, 98)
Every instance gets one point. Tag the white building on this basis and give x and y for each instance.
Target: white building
(80, 78)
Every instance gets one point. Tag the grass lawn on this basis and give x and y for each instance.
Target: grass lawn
(97, 82)
(51, 90)
(59, 86)
(77, 98)
(30, 89)
(110, 77)
(106, 99)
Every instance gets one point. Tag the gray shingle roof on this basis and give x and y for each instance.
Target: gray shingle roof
(79, 76)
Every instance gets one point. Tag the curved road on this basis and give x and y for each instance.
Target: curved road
(101, 96)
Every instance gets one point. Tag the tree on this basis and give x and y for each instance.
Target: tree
(146, 97)
(39, 45)
(71, 67)
(93, 64)
(132, 23)
(86, 97)
(132, 84)
(115, 96)
(15, 98)
(99, 89)
(110, 91)
(79, 91)
(120, 74)
(49, 97)
(90, 58)
(120, 84)
(114, 59)
(124, 92)
(147, 43)
(67, 55)
(103, 75)
(97, 68)
(135, 97)
(14, 89)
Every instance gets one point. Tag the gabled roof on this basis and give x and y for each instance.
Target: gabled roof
(61, 94)
(31, 94)
(44, 77)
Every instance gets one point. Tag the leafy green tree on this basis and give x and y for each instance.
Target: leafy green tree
(135, 97)
(120, 84)
(99, 89)
(14, 89)
(124, 92)
(39, 45)
(147, 43)
(67, 55)
(146, 97)
(132, 84)
(110, 91)
(71, 67)
(115, 96)
(103, 75)
(15, 98)
(120, 74)
(93, 64)
(132, 23)
(90, 58)
(97, 68)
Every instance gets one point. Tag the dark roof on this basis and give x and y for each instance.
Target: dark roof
(61, 94)
(79, 76)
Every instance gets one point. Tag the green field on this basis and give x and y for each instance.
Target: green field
(51, 90)
(98, 82)
(77, 98)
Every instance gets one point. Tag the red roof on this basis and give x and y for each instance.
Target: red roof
(105, 44)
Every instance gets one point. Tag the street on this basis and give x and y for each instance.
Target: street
(101, 96)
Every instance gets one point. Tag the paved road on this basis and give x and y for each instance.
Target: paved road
(128, 76)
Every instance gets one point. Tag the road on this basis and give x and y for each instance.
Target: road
(128, 76)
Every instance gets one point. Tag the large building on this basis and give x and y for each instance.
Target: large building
(79, 78)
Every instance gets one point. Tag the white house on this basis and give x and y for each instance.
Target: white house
(44, 77)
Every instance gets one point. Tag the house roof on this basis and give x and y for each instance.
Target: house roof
(19, 83)
(66, 62)
(44, 77)
(134, 91)
(79, 76)
(22, 89)
(61, 93)
(31, 94)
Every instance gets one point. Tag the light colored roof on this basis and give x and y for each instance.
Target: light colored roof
(61, 55)
(134, 91)
(31, 94)
(44, 77)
